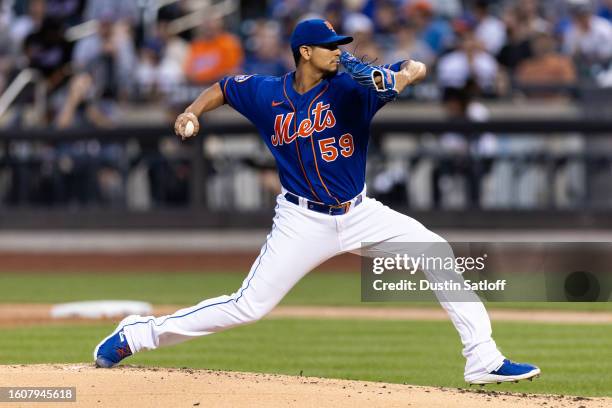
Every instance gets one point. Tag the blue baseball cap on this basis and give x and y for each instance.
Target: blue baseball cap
(316, 32)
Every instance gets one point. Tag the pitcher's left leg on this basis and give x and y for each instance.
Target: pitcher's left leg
(373, 222)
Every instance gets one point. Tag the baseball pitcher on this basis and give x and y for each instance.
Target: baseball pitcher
(316, 122)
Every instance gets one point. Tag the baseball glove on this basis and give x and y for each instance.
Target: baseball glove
(380, 79)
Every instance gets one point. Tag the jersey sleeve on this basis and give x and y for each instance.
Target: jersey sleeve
(396, 66)
(241, 92)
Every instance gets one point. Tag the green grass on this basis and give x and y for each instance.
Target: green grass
(181, 288)
(189, 288)
(575, 359)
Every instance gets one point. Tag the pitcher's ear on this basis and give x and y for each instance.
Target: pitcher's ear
(306, 52)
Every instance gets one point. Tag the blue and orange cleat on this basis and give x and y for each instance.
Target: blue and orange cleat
(509, 371)
(113, 348)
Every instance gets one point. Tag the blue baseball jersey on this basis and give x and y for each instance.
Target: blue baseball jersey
(319, 139)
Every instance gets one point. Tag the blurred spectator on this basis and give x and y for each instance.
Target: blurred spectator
(546, 66)
(385, 19)
(26, 24)
(265, 54)
(517, 47)
(589, 38)
(105, 62)
(104, 65)
(49, 52)
(213, 53)
(435, 31)
(68, 11)
(529, 18)
(361, 28)
(148, 74)
(73, 101)
(409, 46)
(160, 62)
(468, 63)
(172, 58)
(385, 23)
(108, 56)
(490, 30)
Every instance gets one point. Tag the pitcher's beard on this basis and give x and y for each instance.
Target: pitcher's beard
(330, 74)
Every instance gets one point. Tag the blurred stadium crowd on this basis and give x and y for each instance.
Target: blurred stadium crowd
(93, 59)
(95, 53)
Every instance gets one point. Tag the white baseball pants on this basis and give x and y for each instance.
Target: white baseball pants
(300, 240)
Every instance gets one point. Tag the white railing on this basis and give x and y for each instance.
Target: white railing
(25, 77)
(82, 30)
(194, 19)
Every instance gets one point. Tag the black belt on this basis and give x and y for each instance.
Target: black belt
(325, 208)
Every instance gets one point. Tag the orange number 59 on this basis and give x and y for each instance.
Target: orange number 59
(329, 152)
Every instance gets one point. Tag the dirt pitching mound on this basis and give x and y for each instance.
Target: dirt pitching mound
(128, 386)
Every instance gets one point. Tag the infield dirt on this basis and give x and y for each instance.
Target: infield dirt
(134, 387)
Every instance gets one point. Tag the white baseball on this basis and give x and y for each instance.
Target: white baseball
(189, 128)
